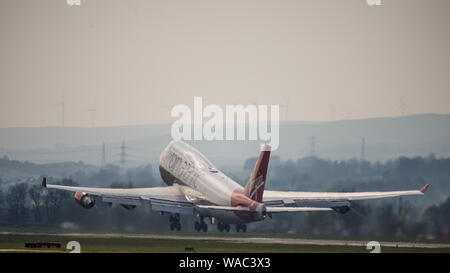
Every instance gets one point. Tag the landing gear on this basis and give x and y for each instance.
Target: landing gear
(201, 225)
(242, 227)
(223, 227)
(175, 222)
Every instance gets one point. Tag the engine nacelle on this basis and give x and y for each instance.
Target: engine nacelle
(261, 212)
(83, 199)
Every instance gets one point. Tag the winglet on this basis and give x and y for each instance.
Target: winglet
(424, 188)
(44, 182)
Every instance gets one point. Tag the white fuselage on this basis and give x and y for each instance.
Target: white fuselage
(187, 166)
(181, 164)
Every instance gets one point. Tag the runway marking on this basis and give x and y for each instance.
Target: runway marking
(256, 240)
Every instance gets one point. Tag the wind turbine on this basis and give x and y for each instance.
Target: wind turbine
(254, 101)
(333, 112)
(349, 113)
(92, 110)
(62, 110)
(286, 106)
(402, 107)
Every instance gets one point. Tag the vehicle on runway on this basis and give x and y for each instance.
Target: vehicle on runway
(196, 187)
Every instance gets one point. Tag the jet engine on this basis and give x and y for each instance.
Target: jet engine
(85, 200)
(261, 211)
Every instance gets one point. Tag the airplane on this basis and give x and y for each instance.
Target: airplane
(196, 187)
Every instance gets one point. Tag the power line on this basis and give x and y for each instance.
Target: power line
(123, 154)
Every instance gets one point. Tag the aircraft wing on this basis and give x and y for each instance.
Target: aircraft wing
(165, 199)
(328, 199)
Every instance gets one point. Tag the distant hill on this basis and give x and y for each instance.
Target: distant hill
(12, 169)
(385, 138)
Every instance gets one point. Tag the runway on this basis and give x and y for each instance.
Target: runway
(255, 240)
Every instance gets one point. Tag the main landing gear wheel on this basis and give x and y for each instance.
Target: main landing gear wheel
(200, 226)
(223, 227)
(175, 222)
(242, 227)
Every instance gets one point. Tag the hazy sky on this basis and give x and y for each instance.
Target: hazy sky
(133, 59)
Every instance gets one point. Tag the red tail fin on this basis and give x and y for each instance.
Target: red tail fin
(255, 185)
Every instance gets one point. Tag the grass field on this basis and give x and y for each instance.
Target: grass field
(57, 230)
(16, 243)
